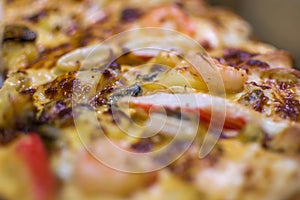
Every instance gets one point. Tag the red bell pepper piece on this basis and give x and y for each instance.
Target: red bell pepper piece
(32, 153)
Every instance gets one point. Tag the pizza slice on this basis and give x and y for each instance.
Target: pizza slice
(66, 101)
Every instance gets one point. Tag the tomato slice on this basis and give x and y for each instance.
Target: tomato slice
(32, 153)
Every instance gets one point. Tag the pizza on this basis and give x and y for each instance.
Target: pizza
(89, 111)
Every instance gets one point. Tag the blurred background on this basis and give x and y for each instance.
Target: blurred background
(274, 21)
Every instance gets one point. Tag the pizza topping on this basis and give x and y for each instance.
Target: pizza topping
(134, 90)
(253, 127)
(190, 103)
(184, 128)
(233, 79)
(170, 17)
(25, 170)
(255, 99)
(94, 176)
(43, 181)
(147, 77)
(18, 33)
(85, 58)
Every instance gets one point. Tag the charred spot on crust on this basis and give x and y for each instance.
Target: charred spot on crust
(56, 112)
(284, 85)
(61, 87)
(234, 57)
(65, 112)
(51, 110)
(130, 14)
(101, 98)
(66, 84)
(30, 91)
(236, 53)
(37, 16)
(51, 91)
(18, 33)
(257, 63)
(252, 63)
(109, 80)
(49, 57)
(107, 73)
(289, 109)
(287, 106)
(264, 87)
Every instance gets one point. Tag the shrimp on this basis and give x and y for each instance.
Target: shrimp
(96, 178)
(280, 133)
(170, 17)
(233, 79)
(236, 116)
